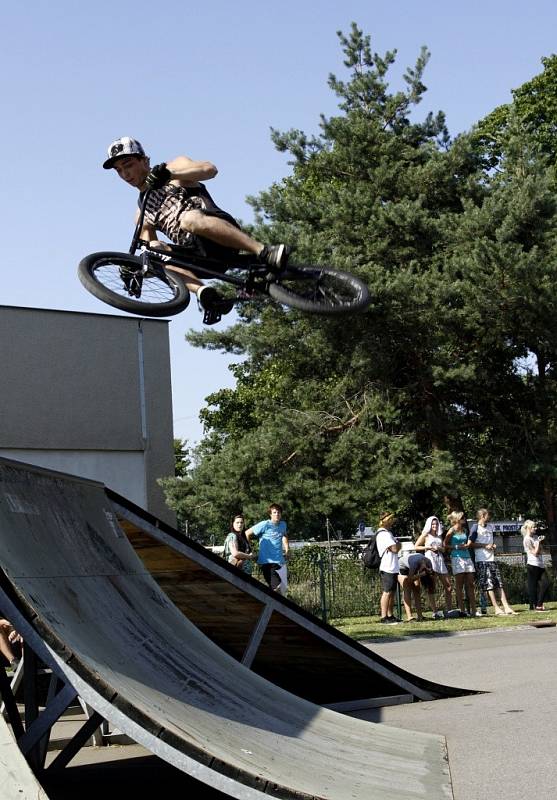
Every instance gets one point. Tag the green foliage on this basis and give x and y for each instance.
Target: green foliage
(534, 108)
(446, 385)
(182, 460)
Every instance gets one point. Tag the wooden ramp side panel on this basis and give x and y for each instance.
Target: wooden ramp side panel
(289, 654)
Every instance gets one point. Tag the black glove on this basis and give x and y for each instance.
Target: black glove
(157, 177)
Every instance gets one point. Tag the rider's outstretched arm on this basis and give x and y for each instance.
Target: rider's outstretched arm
(188, 171)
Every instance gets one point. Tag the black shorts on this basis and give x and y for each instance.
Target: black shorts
(206, 248)
(270, 573)
(389, 581)
(214, 249)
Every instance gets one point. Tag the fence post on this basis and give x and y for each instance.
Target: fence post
(322, 587)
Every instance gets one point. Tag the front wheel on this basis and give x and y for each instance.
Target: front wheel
(320, 290)
(119, 280)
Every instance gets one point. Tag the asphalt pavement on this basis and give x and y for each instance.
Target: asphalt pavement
(501, 743)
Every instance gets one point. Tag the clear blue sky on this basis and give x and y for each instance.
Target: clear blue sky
(206, 80)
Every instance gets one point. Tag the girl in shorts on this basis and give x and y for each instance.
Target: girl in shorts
(430, 542)
(457, 544)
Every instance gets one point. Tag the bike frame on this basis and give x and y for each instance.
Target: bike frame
(258, 275)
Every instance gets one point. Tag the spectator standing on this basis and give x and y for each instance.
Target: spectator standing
(457, 544)
(273, 548)
(538, 582)
(237, 550)
(487, 569)
(430, 542)
(387, 547)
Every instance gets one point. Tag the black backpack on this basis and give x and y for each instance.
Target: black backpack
(370, 556)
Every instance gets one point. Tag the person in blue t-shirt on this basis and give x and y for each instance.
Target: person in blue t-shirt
(273, 548)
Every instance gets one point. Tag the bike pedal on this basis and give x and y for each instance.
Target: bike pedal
(211, 317)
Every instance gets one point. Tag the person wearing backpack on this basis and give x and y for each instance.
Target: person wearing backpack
(237, 550)
(388, 548)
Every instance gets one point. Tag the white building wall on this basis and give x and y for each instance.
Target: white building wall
(89, 394)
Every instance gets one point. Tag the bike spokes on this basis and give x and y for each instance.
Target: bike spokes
(320, 290)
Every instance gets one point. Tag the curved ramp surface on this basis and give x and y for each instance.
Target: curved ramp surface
(145, 667)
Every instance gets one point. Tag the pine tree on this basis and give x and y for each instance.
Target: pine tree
(340, 418)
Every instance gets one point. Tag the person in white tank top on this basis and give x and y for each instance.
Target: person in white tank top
(430, 542)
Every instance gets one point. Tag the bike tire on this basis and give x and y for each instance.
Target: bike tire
(101, 274)
(320, 290)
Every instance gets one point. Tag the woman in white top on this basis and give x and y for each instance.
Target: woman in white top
(538, 582)
(430, 542)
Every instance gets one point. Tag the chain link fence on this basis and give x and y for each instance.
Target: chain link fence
(333, 583)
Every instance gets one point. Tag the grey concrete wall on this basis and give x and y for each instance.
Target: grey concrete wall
(89, 394)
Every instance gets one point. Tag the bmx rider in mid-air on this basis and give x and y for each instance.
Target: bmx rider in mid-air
(181, 208)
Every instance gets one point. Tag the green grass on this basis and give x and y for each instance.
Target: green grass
(370, 628)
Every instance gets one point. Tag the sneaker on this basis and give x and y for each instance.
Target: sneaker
(394, 620)
(439, 615)
(275, 255)
(539, 608)
(480, 613)
(388, 621)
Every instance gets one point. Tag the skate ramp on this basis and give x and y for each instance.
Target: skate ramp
(73, 580)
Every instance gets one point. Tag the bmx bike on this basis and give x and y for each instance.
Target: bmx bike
(145, 282)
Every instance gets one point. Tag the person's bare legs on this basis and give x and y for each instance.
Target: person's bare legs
(493, 597)
(447, 586)
(218, 230)
(385, 604)
(192, 282)
(504, 602)
(194, 285)
(470, 592)
(431, 600)
(416, 591)
(406, 596)
(459, 583)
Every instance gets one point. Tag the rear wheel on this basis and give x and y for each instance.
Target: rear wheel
(320, 290)
(118, 279)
